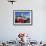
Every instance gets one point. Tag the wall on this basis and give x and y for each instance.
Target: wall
(38, 30)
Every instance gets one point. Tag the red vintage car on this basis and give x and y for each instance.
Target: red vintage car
(19, 20)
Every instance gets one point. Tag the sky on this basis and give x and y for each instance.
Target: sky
(26, 14)
(18, 13)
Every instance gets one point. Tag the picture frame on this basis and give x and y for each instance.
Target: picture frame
(22, 17)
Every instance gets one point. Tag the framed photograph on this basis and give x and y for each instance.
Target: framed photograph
(22, 17)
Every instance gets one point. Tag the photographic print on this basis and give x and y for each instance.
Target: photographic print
(22, 16)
